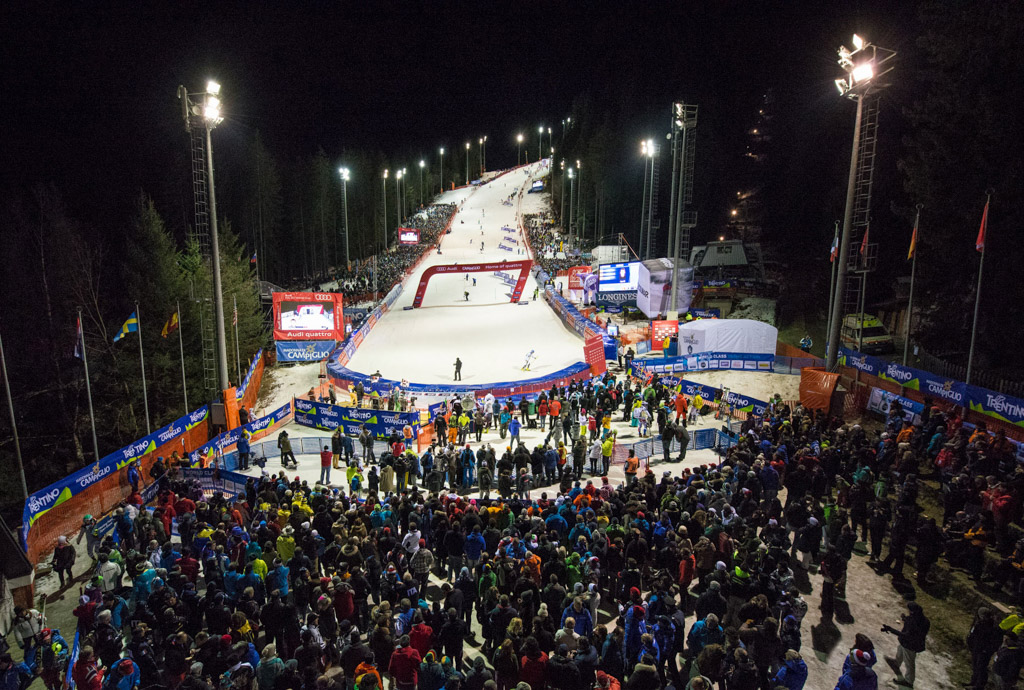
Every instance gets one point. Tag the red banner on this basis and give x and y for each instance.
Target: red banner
(308, 316)
(575, 273)
(593, 352)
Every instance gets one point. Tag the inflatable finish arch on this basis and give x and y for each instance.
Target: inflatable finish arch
(490, 267)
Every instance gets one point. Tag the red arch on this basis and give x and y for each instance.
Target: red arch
(491, 267)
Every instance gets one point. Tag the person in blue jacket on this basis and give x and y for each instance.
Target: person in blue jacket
(124, 675)
(793, 673)
(474, 547)
(514, 427)
(858, 674)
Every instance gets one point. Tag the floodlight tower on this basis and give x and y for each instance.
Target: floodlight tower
(681, 221)
(866, 67)
(345, 177)
(202, 114)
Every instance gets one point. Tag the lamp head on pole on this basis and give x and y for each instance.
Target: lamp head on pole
(519, 138)
(385, 173)
(423, 164)
(344, 172)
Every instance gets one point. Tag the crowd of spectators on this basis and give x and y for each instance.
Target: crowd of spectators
(547, 244)
(391, 265)
(692, 580)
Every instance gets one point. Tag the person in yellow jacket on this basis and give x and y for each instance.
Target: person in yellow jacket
(606, 452)
(286, 544)
(698, 403)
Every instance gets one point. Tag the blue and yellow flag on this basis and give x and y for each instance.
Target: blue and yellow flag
(130, 326)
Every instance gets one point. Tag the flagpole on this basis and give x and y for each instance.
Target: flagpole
(977, 292)
(913, 270)
(832, 285)
(142, 365)
(14, 423)
(181, 346)
(88, 389)
(238, 365)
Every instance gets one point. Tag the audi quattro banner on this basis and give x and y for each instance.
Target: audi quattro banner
(329, 417)
(308, 316)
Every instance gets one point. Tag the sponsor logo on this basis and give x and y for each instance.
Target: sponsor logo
(897, 373)
(644, 291)
(170, 433)
(260, 424)
(197, 416)
(328, 412)
(303, 405)
(93, 477)
(859, 363)
(1000, 404)
(38, 502)
(945, 390)
(323, 297)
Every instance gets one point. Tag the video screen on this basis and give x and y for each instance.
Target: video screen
(408, 236)
(618, 277)
(306, 316)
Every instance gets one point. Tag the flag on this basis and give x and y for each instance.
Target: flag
(913, 244)
(979, 243)
(834, 252)
(170, 326)
(130, 326)
(234, 321)
(864, 242)
(253, 259)
(79, 341)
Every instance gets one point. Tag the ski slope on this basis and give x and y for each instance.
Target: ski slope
(488, 333)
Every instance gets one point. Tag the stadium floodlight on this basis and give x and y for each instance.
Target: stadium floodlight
(862, 72)
(344, 172)
(211, 110)
(858, 42)
(519, 148)
(213, 88)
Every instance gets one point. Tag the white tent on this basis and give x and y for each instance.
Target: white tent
(727, 335)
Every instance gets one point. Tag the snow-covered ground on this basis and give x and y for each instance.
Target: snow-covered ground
(488, 333)
(753, 384)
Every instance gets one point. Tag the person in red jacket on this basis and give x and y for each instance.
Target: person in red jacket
(86, 673)
(326, 456)
(421, 636)
(533, 666)
(542, 412)
(555, 408)
(405, 662)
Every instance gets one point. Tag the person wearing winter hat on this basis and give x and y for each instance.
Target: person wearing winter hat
(858, 674)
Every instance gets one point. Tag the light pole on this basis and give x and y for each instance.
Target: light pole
(572, 188)
(484, 165)
(540, 140)
(398, 196)
(422, 164)
(643, 201)
(480, 155)
(344, 172)
(384, 207)
(550, 143)
(864, 66)
(442, 170)
(519, 148)
(561, 217)
(207, 107)
(651, 153)
(580, 219)
(467, 162)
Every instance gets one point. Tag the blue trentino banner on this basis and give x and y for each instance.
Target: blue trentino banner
(217, 444)
(329, 417)
(43, 500)
(304, 350)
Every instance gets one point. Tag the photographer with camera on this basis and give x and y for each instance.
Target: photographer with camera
(911, 641)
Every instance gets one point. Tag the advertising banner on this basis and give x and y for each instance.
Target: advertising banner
(881, 400)
(218, 444)
(52, 496)
(621, 276)
(308, 316)
(576, 274)
(408, 236)
(593, 350)
(705, 313)
(329, 417)
(615, 302)
(240, 392)
(654, 287)
(743, 403)
(996, 405)
(304, 350)
(661, 330)
(740, 361)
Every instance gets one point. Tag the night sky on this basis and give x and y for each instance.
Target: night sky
(90, 90)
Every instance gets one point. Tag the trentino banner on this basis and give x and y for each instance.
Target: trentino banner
(329, 417)
(52, 496)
